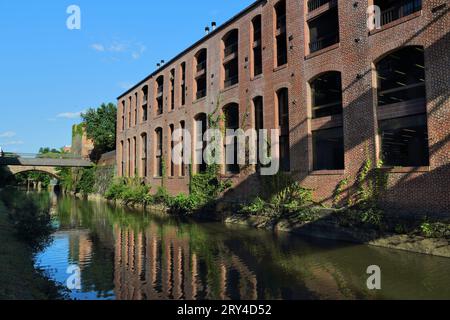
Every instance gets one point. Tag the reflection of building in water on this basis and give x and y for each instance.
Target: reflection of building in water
(80, 248)
(162, 264)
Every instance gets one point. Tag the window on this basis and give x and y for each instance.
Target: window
(257, 46)
(135, 108)
(183, 141)
(135, 157)
(160, 95)
(231, 113)
(201, 70)
(124, 110)
(122, 163)
(183, 83)
(283, 122)
(231, 58)
(129, 112)
(129, 158)
(172, 89)
(328, 142)
(171, 143)
(144, 155)
(158, 152)
(200, 144)
(281, 35)
(144, 104)
(326, 93)
(392, 10)
(328, 149)
(401, 76)
(258, 109)
(402, 118)
(324, 30)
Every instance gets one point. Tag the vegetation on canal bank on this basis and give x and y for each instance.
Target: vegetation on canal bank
(25, 228)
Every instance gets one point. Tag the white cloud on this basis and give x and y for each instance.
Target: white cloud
(98, 47)
(12, 143)
(132, 48)
(7, 134)
(69, 115)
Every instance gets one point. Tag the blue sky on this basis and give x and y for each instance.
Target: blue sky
(48, 73)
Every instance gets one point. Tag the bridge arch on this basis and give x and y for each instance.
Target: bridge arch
(20, 169)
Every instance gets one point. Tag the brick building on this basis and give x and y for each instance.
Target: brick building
(339, 93)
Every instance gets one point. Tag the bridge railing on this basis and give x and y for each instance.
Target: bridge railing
(41, 156)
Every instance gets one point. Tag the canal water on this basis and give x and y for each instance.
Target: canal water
(123, 254)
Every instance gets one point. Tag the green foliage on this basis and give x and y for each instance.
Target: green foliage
(6, 177)
(130, 192)
(87, 181)
(183, 204)
(435, 230)
(290, 199)
(338, 193)
(206, 187)
(100, 126)
(32, 222)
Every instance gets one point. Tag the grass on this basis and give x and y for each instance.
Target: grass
(19, 280)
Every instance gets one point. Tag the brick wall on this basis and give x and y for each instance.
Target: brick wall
(410, 189)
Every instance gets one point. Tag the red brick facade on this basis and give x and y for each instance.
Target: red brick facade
(414, 189)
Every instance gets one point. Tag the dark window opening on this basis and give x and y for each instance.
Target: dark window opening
(183, 83)
(200, 144)
(124, 110)
(231, 113)
(144, 104)
(172, 89)
(172, 165)
(315, 4)
(257, 46)
(144, 155)
(328, 149)
(326, 92)
(200, 79)
(258, 105)
(324, 30)
(231, 67)
(129, 112)
(135, 157)
(392, 10)
(183, 165)
(159, 152)
(122, 153)
(401, 76)
(281, 38)
(283, 121)
(160, 95)
(405, 141)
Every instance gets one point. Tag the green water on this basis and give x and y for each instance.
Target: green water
(123, 254)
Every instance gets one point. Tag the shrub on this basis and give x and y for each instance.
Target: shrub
(435, 230)
(183, 204)
(130, 192)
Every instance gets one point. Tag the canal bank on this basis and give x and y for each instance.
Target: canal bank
(19, 279)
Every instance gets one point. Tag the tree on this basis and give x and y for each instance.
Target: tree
(101, 127)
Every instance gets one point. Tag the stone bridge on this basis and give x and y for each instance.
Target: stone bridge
(17, 163)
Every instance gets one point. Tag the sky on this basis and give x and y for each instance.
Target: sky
(49, 74)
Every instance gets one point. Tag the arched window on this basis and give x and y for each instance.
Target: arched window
(130, 100)
(144, 104)
(231, 115)
(172, 89)
(402, 118)
(326, 92)
(258, 123)
(183, 141)
(324, 27)
(158, 152)
(201, 59)
(200, 126)
(124, 110)
(183, 83)
(171, 144)
(159, 95)
(281, 35)
(123, 156)
(231, 58)
(328, 142)
(144, 155)
(257, 45)
(283, 122)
